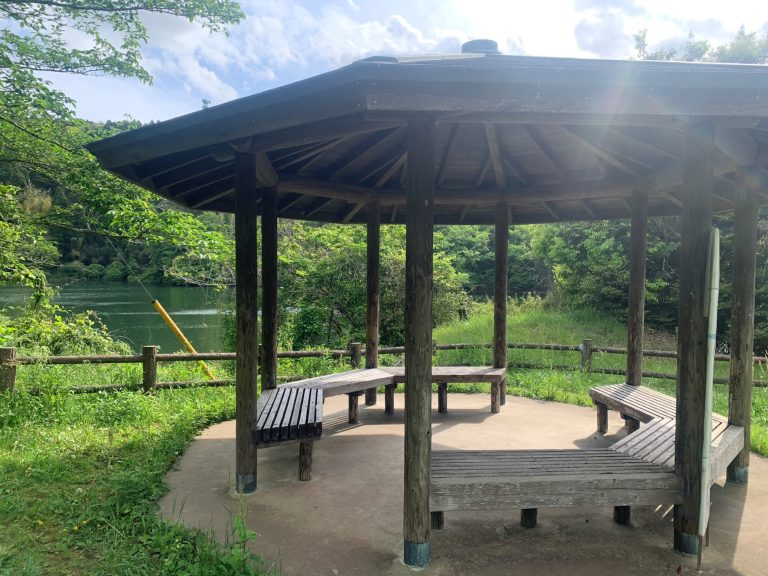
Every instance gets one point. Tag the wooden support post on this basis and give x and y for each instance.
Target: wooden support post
(355, 354)
(389, 399)
(305, 460)
(586, 355)
(418, 337)
(7, 369)
(622, 515)
(438, 520)
(500, 294)
(696, 222)
(372, 293)
(269, 289)
(743, 315)
(636, 312)
(529, 517)
(353, 403)
(442, 397)
(247, 326)
(633, 424)
(149, 368)
(602, 417)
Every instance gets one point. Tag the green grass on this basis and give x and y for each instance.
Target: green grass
(80, 477)
(534, 323)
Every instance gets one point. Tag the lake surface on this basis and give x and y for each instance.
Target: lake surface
(128, 312)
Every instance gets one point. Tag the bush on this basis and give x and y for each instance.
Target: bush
(95, 272)
(116, 271)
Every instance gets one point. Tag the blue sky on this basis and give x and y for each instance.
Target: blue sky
(281, 41)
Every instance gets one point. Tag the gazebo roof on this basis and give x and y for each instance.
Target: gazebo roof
(559, 139)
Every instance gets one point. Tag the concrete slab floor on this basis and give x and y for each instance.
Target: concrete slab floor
(348, 519)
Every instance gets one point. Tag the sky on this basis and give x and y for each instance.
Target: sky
(281, 41)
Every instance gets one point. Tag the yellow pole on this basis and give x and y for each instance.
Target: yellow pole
(176, 330)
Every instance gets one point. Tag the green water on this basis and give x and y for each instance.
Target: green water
(128, 312)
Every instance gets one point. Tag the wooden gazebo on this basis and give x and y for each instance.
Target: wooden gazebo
(479, 138)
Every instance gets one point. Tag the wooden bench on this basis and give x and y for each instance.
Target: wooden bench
(352, 383)
(443, 375)
(532, 479)
(290, 415)
(655, 443)
(636, 404)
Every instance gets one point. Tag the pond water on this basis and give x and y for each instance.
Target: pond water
(127, 311)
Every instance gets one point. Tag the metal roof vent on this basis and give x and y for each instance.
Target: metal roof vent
(480, 46)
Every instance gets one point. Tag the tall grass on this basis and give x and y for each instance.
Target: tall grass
(533, 322)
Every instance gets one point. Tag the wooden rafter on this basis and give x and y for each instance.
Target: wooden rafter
(211, 198)
(351, 212)
(317, 205)
(392, 170)
(547, 150)
(492, 139)
(643, 144)
(200, 181)
(552, 209)
(369, 143)
(309, 156)
(589, 208)
(447, 154)
(188, 172)
(667, 195)
(196, 195)
(289, 201)
(463, 214)
(599, 152)
(393, 217)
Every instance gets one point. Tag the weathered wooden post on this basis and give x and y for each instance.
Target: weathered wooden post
(373, 243)
(7, 369)
(149, 368)
(636, 312)
(355, 354)
(269, 289)
(501, 256)
(247, 328)
(585, 362)
(696, 222)
(418, 337)
(743, 315)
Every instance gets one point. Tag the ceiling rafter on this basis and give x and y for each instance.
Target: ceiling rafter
(599, 152)
(644, 144)
(548, 152)
(317, 205)
(448, 149)
(352, 212)
(368, 143)
(289, 202)
(392, 170)
(491, 137)
(308, 156)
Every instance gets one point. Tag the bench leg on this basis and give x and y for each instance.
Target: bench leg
(495, 397)
(370, 397)
(442, 397)
(389, 399)
(528, 517)
(503, 392)
(622, 514)
(305, 460)
(352, 407)
(631, 423)
(438, 520)
(602, 417)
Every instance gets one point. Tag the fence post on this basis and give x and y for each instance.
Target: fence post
(356, 354)
(149, 363)
(7, 369)
(586, 355)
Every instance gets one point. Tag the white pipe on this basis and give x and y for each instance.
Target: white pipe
(710, 312)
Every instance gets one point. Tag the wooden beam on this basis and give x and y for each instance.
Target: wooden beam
(737, 144)
(188, 172)
(372, 289)
(500, 295)
(368, 143)
(418, 338)
(636, 312)
(352, 212)
(392, 170)
(317, 205)
(552, 209)
(546, 149)
(604, 155)
(671, 197)
(643, 144)
(246, 318)
(311, 154)
(743, 315)
(481, 175)
(211, 197)
(269, 272)
(589, 209)
(288, 201)
(493, 151)
(696, 222)
(463, 214)
(201, 181)
(447, 154)
(393, 217)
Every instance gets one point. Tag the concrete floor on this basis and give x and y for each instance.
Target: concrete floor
(348, 518)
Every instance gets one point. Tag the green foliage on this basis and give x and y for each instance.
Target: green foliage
(322, 280)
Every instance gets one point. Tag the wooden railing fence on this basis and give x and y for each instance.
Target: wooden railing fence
(150, 358)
